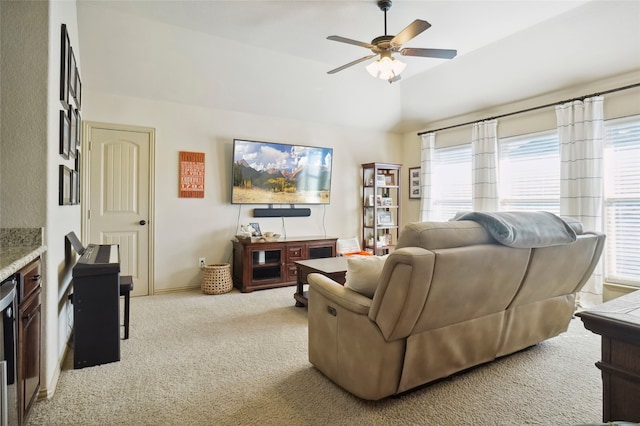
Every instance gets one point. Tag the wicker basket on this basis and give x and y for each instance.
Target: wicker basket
(217, 278)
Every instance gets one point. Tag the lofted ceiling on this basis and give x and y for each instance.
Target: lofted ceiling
(271, 57)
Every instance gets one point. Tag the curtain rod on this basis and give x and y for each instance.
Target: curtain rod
(631, 86)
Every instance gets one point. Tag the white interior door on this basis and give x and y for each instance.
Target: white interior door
(119, 197)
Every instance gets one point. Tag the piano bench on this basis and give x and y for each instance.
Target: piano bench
(126, 286)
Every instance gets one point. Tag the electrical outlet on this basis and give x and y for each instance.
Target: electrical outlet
(202, 262)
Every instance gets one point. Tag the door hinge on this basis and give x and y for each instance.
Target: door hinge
(88, 214)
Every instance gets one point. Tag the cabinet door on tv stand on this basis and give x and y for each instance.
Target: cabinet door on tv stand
(321, 249)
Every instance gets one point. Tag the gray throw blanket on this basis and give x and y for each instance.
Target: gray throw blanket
(523, 229)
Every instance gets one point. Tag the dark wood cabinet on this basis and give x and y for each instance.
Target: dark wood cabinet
(618, 322)
(259, 265)
(29, 326)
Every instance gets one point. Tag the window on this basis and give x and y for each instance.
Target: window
(530, 173)
(451, 181)
(622, 200)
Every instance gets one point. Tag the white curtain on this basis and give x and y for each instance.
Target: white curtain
(484, 149)
(580, 132)
(426, 157)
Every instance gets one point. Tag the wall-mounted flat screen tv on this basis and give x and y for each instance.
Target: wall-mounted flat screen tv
(274, 173)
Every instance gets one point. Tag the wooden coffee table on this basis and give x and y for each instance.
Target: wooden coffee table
(618, 322)
(332, 267)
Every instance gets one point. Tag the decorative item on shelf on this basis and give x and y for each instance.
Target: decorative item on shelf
(385, 218)
(217, 278)
(254, 228)
(414, 182)
(386, 201)
(380, 180)
(389, 180)
(271, 237)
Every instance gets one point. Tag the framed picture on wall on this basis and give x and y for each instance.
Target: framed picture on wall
(72, 133)
(414, 182)
(73, 188)
(64, 67)
(78, 128)
(78, 90)
(65, 135)
(64, 187)
(71, 75)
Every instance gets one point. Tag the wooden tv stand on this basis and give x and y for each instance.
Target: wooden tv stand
(259, 265)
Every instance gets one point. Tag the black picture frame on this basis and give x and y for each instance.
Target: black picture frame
(79, 175)
(73, 188)
(78, 129)
(64, 67)
(64, 197)
(414, 183)
(64, 134)
(71, 75)
(73, 148)
(78, 90)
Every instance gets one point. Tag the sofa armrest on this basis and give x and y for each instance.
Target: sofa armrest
(402, 291)
(339, 294)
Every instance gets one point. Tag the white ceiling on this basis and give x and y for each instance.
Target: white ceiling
(271, 57)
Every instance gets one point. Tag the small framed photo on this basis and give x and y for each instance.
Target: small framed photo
(65, 134)
(73, 190)
(378, 200)
(385, 218)
(256, 226)
(64, 187)
(386, 201)
(77, 132)
(380, 181)
(414, 182)
(389, 180)
(72, 133)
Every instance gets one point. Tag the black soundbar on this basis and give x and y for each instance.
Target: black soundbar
(290, 212)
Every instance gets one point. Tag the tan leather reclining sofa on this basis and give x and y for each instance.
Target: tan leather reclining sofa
(449, 297)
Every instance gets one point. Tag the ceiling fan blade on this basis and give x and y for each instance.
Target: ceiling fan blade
(350, 41)
(357, 61)
(412, 30)
(429, 53)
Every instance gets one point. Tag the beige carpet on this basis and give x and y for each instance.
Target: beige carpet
(241, 359)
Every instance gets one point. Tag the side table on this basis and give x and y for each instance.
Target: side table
(618, 322)
(332, 267)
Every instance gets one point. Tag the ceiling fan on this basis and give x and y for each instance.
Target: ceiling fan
(388, 68)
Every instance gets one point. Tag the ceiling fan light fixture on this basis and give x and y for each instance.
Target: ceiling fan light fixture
(386, 68)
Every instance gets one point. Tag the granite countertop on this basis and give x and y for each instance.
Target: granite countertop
(12, 259)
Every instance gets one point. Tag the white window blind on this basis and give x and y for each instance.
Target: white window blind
(451, 180)
(529, 172)
(622, 200)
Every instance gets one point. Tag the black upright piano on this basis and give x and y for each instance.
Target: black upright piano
(96, 306)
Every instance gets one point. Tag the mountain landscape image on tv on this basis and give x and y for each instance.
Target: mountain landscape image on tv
(273, 173)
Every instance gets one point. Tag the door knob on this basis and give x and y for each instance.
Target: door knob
(143, 222)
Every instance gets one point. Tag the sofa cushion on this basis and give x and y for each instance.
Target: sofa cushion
(441, 235)
(363, 273)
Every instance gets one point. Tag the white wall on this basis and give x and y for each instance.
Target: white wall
(60, 220)
(618, 104)
(189, 228)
